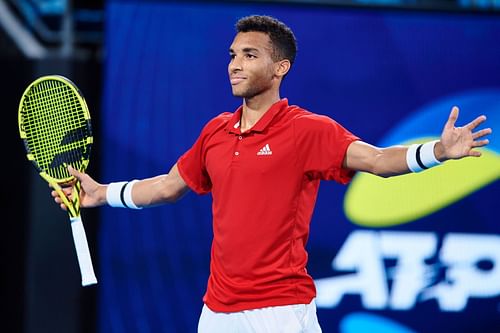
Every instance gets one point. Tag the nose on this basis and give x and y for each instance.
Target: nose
(234, 65)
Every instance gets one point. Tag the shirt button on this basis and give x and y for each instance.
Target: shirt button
(240, 138)
(236, 153)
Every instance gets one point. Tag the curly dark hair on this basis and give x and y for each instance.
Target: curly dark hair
(281, 36)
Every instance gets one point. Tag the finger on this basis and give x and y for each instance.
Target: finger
(480, 143)
(452, 119)
(66, 187)
(476, 122)
(481, 133)
(68, 183)
(72, 171)
(55, 194)
(58, 199)
(474, 153)
(66, 191)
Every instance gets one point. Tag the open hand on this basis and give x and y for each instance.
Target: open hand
(459, 142)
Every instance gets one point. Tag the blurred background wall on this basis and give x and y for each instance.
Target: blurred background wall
(38, 268)
(385, 256)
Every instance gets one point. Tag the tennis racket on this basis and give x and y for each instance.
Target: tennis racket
(54, 123)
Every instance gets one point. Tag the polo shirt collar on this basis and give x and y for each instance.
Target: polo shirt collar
(233, 126)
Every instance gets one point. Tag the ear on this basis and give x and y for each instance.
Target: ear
(282, 68)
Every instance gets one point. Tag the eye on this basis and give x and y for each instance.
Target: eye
(250, 56)
(232, 56)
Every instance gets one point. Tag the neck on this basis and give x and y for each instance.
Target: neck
(255, 107)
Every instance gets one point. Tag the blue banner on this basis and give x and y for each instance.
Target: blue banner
(415, 253)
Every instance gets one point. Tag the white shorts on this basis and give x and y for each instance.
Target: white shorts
(297, 318)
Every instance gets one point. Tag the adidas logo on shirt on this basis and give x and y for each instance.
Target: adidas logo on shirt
(265, 150)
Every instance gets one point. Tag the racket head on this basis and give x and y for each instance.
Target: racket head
(54, 124)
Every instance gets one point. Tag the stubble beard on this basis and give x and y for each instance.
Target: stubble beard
(247, 93)
(251, 90)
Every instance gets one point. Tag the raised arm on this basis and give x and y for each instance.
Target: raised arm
(147, 192)
(455, 143)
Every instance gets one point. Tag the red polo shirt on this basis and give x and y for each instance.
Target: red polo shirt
(264, 184)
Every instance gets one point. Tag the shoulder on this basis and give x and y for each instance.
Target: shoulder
(217, 123)
(308, 125)
(307, 120)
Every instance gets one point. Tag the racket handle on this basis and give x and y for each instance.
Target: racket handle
(82, 251)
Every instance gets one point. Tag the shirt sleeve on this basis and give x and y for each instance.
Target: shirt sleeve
(321, 145)
(191, 164)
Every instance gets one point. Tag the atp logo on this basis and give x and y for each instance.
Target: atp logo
(413, 280)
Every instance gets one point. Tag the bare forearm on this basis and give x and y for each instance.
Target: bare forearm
(384, 162)
(390, 161)
(154, 191)
(147, 192)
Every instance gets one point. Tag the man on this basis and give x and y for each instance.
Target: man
(263, 164)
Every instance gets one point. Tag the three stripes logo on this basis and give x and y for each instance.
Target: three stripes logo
(266, 150)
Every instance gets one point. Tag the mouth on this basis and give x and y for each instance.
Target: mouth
(236, 80)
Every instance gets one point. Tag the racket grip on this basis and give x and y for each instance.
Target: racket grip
(82, 252)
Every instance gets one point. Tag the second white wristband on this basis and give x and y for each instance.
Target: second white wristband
(421, 157)
(119, 194)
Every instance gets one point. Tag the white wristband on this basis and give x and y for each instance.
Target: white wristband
(120, 195)
(411, 160)
(127, 195)
(113, 194)
(427, 154)
(421, 157)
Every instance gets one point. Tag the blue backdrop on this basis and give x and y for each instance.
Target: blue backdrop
(386, 256)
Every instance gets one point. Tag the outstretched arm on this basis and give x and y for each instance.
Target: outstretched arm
(455, 143)
(147, 192)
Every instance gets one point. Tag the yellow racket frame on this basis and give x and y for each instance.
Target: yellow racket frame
(74, 205)
(54, 103)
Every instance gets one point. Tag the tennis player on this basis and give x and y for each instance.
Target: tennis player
(263, 165)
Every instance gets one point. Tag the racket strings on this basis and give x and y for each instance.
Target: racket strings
(56, 128)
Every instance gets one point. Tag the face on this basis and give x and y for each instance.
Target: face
(251, 69)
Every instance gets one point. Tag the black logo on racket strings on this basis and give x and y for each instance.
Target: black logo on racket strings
(76, 154)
